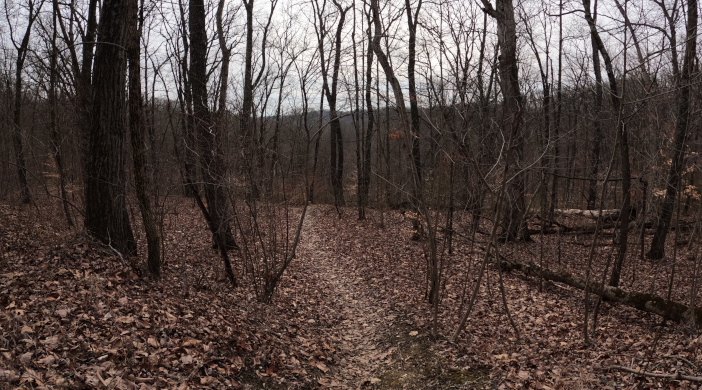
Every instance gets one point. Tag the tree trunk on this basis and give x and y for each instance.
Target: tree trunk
(646, 302)
(245, 125)
(138, 138)
(622, 140)
(330, 91)
(596, 127)
(414, 107)
(512, 110)
(557, 128)
(53, 123)
(84, 89)
(22, 48)
(106, 214)
(185, 97)
(434, 277)
(224, 73)
(657, 250)
(365, 144)
(209, 139)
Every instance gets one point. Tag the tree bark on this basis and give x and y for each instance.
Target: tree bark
(596, 127)
(248, 134)
(330, 91)
(657, 250)
(209, 139)
(559, 108)
(365, 142)
(137, 135)
(646, 302)
(512, 110)
(622, 140)
(55, 134)
(411, 63)
(84, 86)
(414, 106)
(106, 214)
(405, 125)
(245, 125)
(22, 48)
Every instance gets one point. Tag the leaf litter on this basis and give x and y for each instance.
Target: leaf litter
(350, 313)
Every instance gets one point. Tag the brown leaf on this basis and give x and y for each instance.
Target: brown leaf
(8, 375)
(322, 367)
(47, 360)
(190, 342)
(153, 359)
(186, 359)
(32, 376)
(238, 363)
(26, 358)
(92, 380)
(524, 375)
(153, 342)
(51, 342)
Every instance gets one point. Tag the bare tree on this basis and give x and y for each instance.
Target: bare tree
(106, 213)
(682, 82)
(412, 22)
(250, 84)
(512, 111)
(138, 139)
(427, 219)
(596, 121)
(365, 136)
(22, 48)
(209, 140)
(56, 137)
(330, 91)
(621, 140)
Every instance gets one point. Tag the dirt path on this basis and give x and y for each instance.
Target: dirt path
(360, 320)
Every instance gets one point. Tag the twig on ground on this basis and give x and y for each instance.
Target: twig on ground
(109, 243)
(676, 376)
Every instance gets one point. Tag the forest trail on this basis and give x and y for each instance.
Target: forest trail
(361, 321)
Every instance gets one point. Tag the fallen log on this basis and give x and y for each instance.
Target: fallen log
(648, 303)
(588, 229)
(593, 214)
(677, 376)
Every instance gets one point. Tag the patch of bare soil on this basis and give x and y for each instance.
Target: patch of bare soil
(378, 345)
(360, 318)
(417, 362)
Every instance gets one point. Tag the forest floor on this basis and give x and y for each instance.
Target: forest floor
(349, 313)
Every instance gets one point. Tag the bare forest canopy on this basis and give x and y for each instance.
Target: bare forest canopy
(541, 146)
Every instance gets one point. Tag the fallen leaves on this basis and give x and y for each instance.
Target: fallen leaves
(26, 358)
(186, 359)
(75, 316)
(8, 375)
(322, 367)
